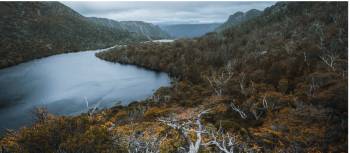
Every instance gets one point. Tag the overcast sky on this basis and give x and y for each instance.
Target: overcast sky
(165, 12)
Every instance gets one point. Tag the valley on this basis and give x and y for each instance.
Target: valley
(272, 80)
(42, 29)
(71, 84)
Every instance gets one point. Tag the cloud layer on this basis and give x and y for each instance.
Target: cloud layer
(165, 12)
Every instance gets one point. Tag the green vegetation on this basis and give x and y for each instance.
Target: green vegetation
(276, 83)
(38, 29)
(137, 29)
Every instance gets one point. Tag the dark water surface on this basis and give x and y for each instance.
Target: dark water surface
(63, 83)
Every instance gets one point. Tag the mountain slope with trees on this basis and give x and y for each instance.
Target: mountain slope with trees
(32, 30)
(141, 29)
(285, 72)
(277, 83)
(149, 30)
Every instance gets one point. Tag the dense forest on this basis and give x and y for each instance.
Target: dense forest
(138, 29)
(273, 83)
(32, 30)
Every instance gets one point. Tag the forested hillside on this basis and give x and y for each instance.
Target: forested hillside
(139, 29)
(286, 70)
(238, 18)
(37, 29)
(276, 83)
(151, 31)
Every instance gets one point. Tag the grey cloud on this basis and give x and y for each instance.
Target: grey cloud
(165, 12)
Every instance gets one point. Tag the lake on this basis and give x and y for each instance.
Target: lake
(67, 84)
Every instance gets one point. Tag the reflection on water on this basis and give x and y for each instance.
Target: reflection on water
(63, 83)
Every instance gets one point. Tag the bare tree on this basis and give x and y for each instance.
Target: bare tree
(60, 150)
(226, 142)
(223, 141)
(91, 109)
(238, 110)
(139, 144)
(264, 101)
(218, 81)
(330, 60)
(257, 111)
(186, 127)
(268, 105)
(242, 81)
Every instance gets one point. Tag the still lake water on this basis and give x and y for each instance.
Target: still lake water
(62, 83)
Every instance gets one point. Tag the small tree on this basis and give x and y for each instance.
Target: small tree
(256, 111)
(140, 144)
(218, 80)
(226, 142)
(330, 60)
(91, 109)
(223, 141)
(238, 110)
(242, 81)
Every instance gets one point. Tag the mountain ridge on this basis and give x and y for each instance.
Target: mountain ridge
(275, 83)
(138, 28)
(189, 30)
(237, 18)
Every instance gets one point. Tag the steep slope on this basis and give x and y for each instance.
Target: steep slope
(239, 17)
(106, 22)
(189, 30)
(35, 29)
(137, 28)
(147, 29)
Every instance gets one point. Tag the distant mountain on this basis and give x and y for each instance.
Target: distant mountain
(105, 22)
(189, 30)
(239, 17)
(147, 29)
(137, 28)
